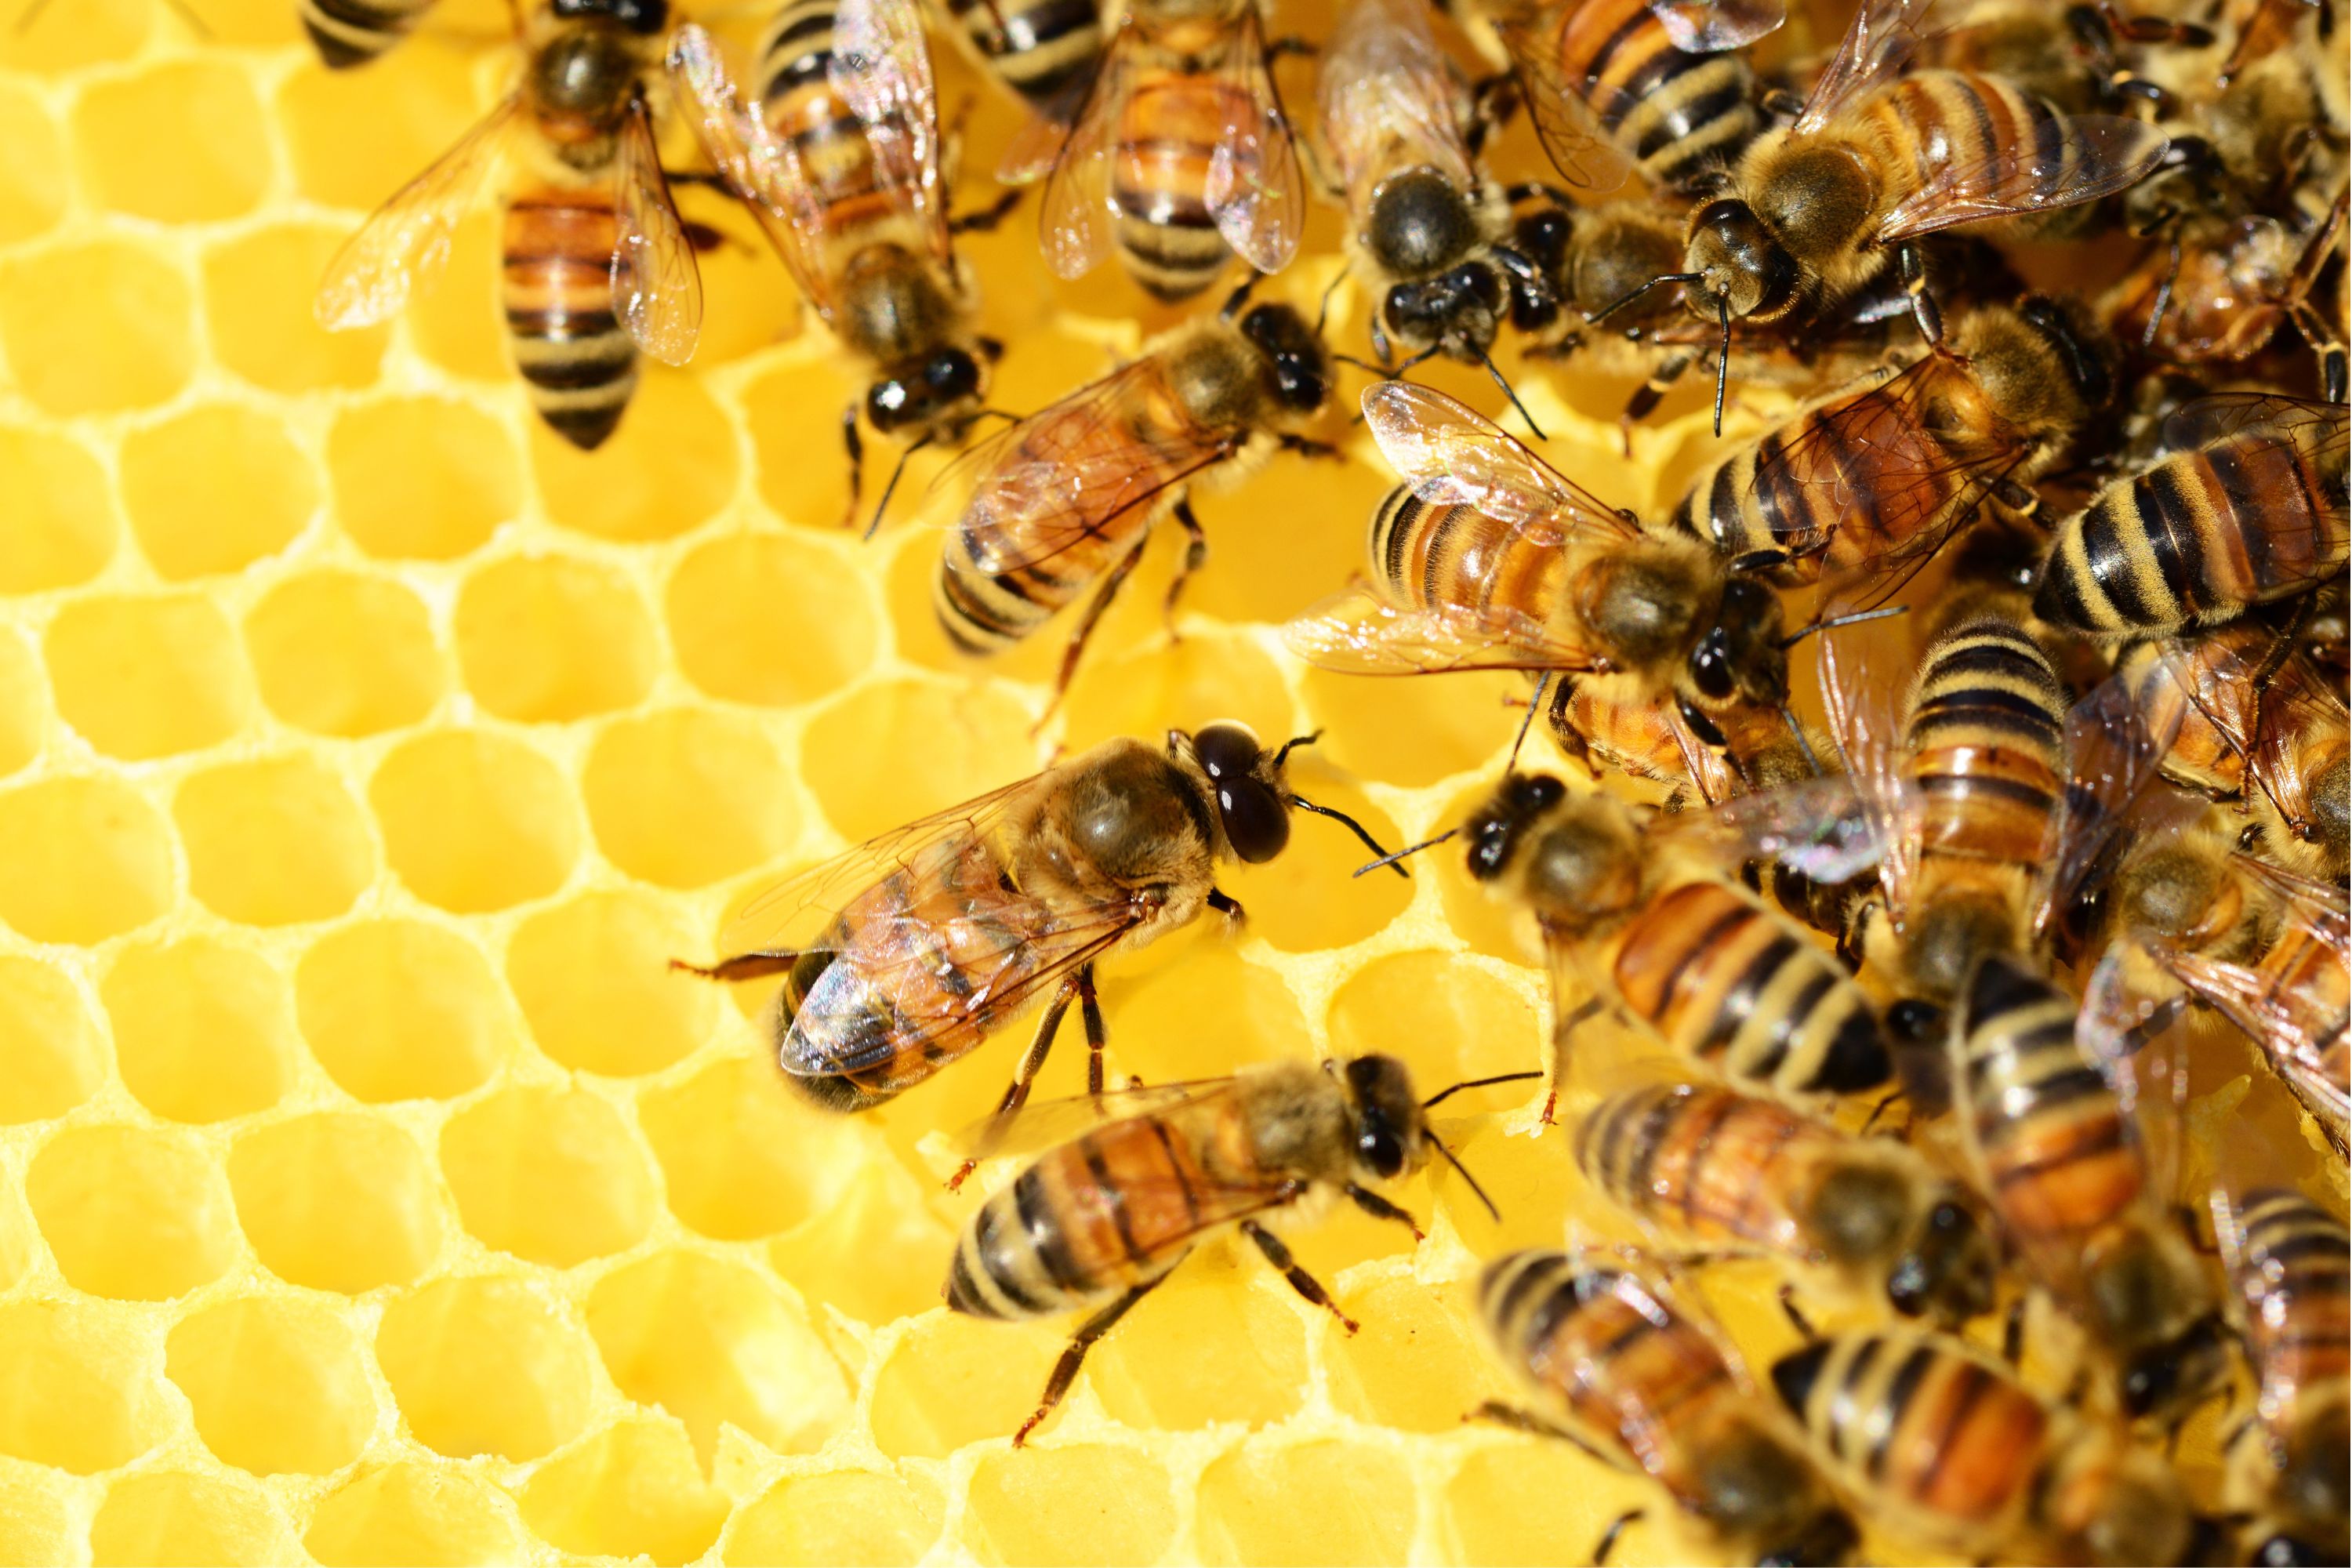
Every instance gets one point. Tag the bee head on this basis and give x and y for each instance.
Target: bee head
(1459, 310)
(1498, 828)
(1946, 1272)
(1418, 224)
(1760, 1493)
(1742, 268)
(1744, 653)
(1391, 1134)
(643, 17)
(926, 392)
(1299, 369)
(1252, 807)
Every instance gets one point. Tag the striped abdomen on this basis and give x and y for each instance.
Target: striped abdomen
(2303, 1016)
(1675, 114)
(1449, 557)
(578, 363)
(1042, 49)
(1724, 979)
(2294, 1269)
(348, 33)
(1935, 119)
(2198, 538)
(1707, 1164)
(799, 103)
(1088, 1219)
(1923, 1428)
(1169, 124)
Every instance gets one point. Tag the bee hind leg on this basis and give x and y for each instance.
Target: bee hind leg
(1090, 1014)
(1306, 1284)
(1607, 1541)
(1016, 1093)
(1196, 556)
(743, 966)
(1073, 1355)
(1086, 628)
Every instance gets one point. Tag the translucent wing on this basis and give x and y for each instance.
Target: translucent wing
(2299, 710)
(2317, 428)
(1453, 455)
(407, 239)
(881, 67)
(1863, 726)
(1711, 27)
(1255, 189)
(1388, 100)
(1821, 829)
(1357, 632)
(2134, 1041)
(655, 284)
(1042, 1123)
(2060, 161)
(2112, 756)
(1073, 218)
(1579, 146)
(1879, 39)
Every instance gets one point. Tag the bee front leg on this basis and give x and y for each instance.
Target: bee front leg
(743, 966)
(1196, 556)
(1378, 1207)
(1016, 1094)
(1090, 1014)
(1607, 1541)
(1585, 1014)
(1073, 1355)
(854, 445)
(1301, 1281)
(1227, 905)
(1911, 264)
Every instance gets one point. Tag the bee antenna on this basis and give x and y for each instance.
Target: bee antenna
(1801, 633)
(891, 488)
(1408, 849)
(1352, 826)
(1238, 298)
(1496, 372)
(1445, 1094)
(1623, 301)
(1294, 743)
(1797, 732)
(1722, 361)
(1388, 371)
(1323, 309)
(1533, 702)
(1454, 1161)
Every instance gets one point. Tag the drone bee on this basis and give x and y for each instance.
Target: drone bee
(597, 265)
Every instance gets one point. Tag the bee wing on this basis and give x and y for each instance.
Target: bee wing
(1073, 218)
(656, 283)
(1042, 1123)
(763, 170)
(2111, 757)
(1711, 26)
(2318, 428)
(407, 239)
(1864, 729)
(2136, 1041)
(2293, 709)
(1453, 455)
(1569, 127)
(1255, 189)
(1821, 828)
(2075, 158)
(1359, 633)
(1383, 84)
(881, 67)
(1877, 43)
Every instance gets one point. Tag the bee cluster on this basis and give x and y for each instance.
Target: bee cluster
(2068, 558)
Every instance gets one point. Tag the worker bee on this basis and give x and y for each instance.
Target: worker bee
(2068, 56)
(1625, 1373)
(1877, 477)
(841, 166)
(1046, 51)
(909, 950)
(1876, 160)
(348, 33)
(2248, 508)
(1713, 1167)
(1180, 158)
(1099, 1220)
(2302, 768)
(1066, 498)
(2222, 285)
(2206, 693)
(1948, 1449)
(596, 263)
(2291, 1262)
(2048, 1120)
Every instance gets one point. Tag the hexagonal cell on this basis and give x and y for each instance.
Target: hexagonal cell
(355, 137)
(61, 515)
(878, 1519)
(1206, 1012)
(593, 979)
(633, 1490)
(1418, 1364)
(96, 328)
(339, 654)
(740, 1157)
(336, 1201)
(804, 481)
(148, 676)
(685, 797)
(1207, 676)
(33, 185)
(895, 752)
(56, 1059)
(214, 489)
(459, 324)
(1447, 1019)
(1364, 1508)
(874, 1251)
(109, 30)
(80, 1396)
(413, 1514)
(543, 638)
(485, 1366)
(24, 705)
(709, 1340)
(169, 1517)
(401, 1010)
(1488, 1518)
(954, 1379)
(549, 1175)
(671, 465)
(1208, 1346)
(135, 1215)
(202, 1030)
(1413, 733)
(1529, 1178)
(183, 142)
(274, 842)
(910, 588)
(35, 1526)
(1071, 1505)
(1308, 898)
(769, 618)
(277, 1386)
(475, 822)
(257, 293)
(1288, 537)
(89, 858)
(421, 477)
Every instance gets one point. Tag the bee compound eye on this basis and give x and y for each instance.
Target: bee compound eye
(1256, 820)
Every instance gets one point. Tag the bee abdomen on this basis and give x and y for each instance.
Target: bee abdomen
(578, 363)
(1162, 227)
(1083, 1222)
(2296, 1263)
(1042, 49)
(1706, 1162)
(350, 33)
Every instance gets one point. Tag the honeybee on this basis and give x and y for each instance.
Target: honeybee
(2249, 508)
(1044, 50)
(1877, 477)
(2223, 285)
(1711, 1166)
(1066, 498)
(2067, 56)
(2291, 1262)
(2206, 693)
(1101, 1219)
(1876, 160)
(2047, 1117)
(1179, 158)
(1709, 758)
(909, 950)
(596, 264)
(348, 33)
(841, 167)
(2302, 768)
(1487, 558)
(1625, 1374)
(1949, 1449)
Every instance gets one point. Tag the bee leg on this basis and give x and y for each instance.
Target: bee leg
(1090, 1014)
(1085, 627)
(2017, 498)
(743, 966)
(1306, 449)
(1796, 1315)
(1496, 1413)
(1530, 189)
(1378, 1207)
(1607, 1541)
(1652, 392)
(1782, 104)
(854, 445)
(1196, 556)
(2335, 372)
(985, 220)
(1225, 904)
(2012, 1334)
(1301, 1281)
(1911, 264)
(1585, 1014)
(1016, 1093)
(1073, 1354)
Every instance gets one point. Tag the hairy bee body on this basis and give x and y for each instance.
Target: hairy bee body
(2293, 1268)
(556, 270)
(348, 33)
(1184, 87)
(1676, 114)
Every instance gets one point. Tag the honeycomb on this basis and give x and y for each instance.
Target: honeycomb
(373, 1193)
